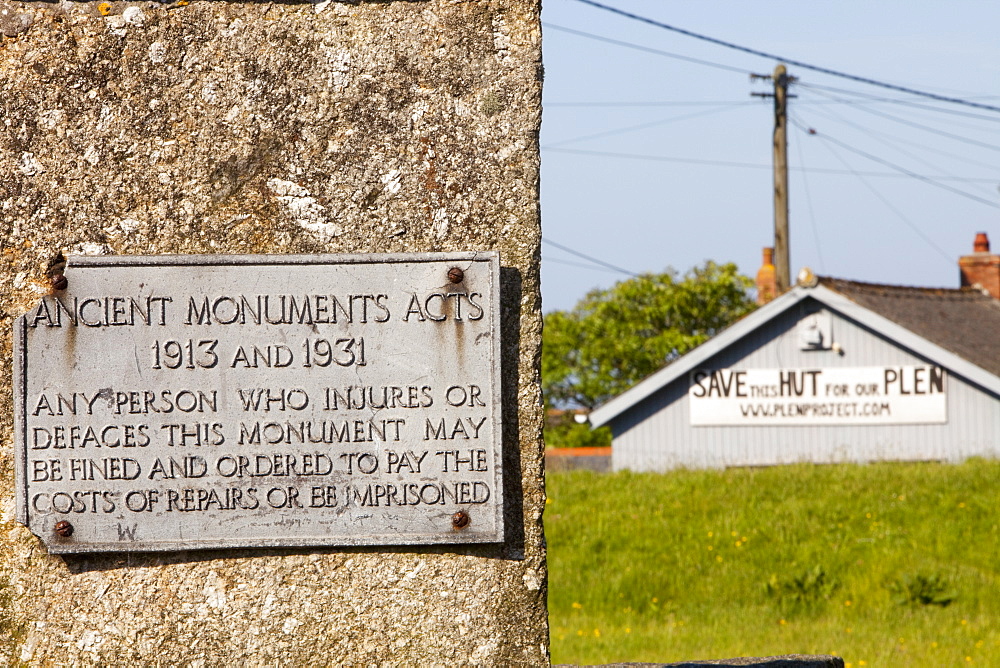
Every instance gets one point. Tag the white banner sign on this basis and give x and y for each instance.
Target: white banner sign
(860, 395)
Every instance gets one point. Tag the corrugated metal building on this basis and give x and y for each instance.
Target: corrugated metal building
(830, 371)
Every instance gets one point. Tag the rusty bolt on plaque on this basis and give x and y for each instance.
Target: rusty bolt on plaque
(460, 520)
(64, 529)
(59, 282)
(456, 275)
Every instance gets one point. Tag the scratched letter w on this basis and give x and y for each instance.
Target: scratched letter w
(127, 532)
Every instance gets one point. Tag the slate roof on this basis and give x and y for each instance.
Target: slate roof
(964, 321)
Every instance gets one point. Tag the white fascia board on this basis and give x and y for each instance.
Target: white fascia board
(896, 333)
(660, 379)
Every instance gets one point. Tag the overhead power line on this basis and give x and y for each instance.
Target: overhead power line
(812, 214)
(641, 126)
(904, 102)
(657, 158)
(734, 103)
(720, 103)
(749, 165)
(920, 177)
(589, 258)
(894, 142)
(886, 202)
(790, 61)
(639, 47)
(919, 126)
(581, 265)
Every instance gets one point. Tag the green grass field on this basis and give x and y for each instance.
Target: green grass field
(882, 564)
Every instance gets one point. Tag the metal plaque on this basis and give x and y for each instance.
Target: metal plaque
(187, 402)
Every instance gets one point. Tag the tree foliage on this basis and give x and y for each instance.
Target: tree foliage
(615, 337)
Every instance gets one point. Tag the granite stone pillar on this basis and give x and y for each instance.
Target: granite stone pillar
(211, 127)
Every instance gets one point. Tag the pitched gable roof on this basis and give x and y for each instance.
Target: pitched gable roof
(965, 321)
(934, 309)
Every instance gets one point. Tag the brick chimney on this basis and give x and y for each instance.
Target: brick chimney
(767, 285)
(981, 269)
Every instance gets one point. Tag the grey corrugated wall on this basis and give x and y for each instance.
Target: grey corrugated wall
(656, 434)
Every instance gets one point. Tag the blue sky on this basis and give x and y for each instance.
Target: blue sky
(651, 161)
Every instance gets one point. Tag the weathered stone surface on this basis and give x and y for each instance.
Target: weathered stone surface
(258, 127)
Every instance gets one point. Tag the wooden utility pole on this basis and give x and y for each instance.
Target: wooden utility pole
(781, 79)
